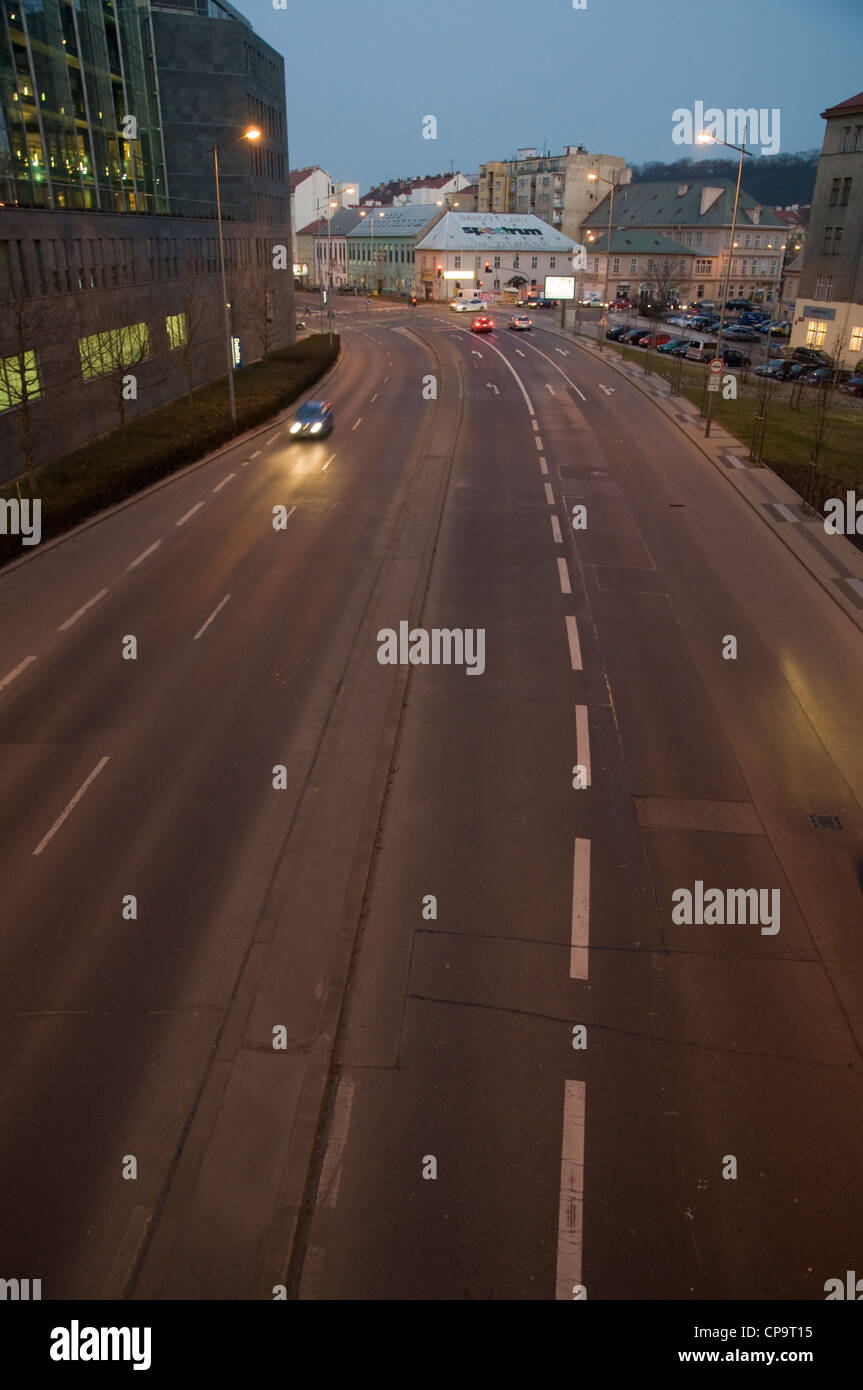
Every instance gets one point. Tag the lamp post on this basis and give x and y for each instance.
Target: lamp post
(251, 134)
(372, 254)
(612, 183)
(331, 203)
(705, 139)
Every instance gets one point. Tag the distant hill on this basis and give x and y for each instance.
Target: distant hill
(776, 180)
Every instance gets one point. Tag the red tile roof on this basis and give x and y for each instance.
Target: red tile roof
(845, 108)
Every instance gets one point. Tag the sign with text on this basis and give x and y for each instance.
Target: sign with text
(560, 287)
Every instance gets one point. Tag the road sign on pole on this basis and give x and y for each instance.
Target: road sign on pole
(716, 365)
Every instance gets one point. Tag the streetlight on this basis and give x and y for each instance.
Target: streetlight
(705, 139)
(612, 183)
(251, 134)
(372, 225)
(331, 203)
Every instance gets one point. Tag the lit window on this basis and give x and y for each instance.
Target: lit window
(816, 332)
(856, 339)
(19, 380)
(177, 329)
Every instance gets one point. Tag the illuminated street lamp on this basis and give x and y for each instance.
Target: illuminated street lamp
(612, 183)
(251, 134)
(331, 203)
(705, 139)
(372, 225)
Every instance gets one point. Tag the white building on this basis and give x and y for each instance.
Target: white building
(497, 256)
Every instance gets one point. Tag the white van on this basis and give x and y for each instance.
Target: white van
(465, 306)
(701, 349)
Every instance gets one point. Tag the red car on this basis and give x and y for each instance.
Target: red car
(654, 339)
(482, 325)
(617, 304)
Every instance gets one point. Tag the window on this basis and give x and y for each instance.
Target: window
(497, 284)
(19, 380)
(497, 262)
(744, 269)
(834, 192)
(102, 353)
(698, 238)
(649, 265)
(515, 261)
(615, 265)
(552, 262)
(595, 264)
(846, 193)
(828, 287)
(704, 267)
(682, 267)
(758, 242)
(827, 245)
(858, 137)
(633, 265)
(688, 238)
(819, 287)
(774, 266)
(735, 266)
(816, 332)
(747, 240)
(533, 262)
(846, 140)
(856, 339)
(177, 329)
(837, 240)
(458, 263)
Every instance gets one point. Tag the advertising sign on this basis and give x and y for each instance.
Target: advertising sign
(560, 287)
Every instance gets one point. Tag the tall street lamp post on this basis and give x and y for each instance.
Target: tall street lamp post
(372, 253)
(331, 203)
(705, 139)
(612, 183)
(251, 134)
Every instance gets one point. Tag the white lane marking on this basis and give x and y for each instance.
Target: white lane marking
(550, 389)
(543, 465)
(359, 422)
(374, 398)
(255, 454)
(214, 614)
(555, 531)
(474, 353)
(582, 741)
(580, 910)
(609, 390)
(510, 368)
(570, 1220)
(386, 378)
(520, 353)
(551, 362)
(549, 495)
(72, 804)
(538, 442)
(75, 616)
(331, 1172)
(22, 666)
(563, 352)
(273, 437)
(246, 462)
(326, 465)
(224, 482)
(574, 644)
(493, 387)
(197, 507)
(535, 424)
(563, 573)
(144, 554)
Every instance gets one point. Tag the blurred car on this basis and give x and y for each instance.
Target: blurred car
(464, 306)
(780, 329)
(617, 305)
(777, 369)
(813, 356)
(824, 376)
(591, 301)
(738, 303)
(482, 325)
(520, 324)
(701, 349)
(301, 323)
(633, 334)
(852, 387)
(740, 333)
(678, 319)
(615, 333)
(654, 340)
(673, 344)
(314, 418)
(732, 358)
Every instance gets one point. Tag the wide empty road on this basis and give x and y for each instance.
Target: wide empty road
(366, 981)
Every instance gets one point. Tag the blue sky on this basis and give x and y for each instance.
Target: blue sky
(500, 74)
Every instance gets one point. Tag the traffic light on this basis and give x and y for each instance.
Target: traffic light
(487, 267)
(439, 271)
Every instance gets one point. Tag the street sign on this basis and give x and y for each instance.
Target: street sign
(236, 352)
(716, 365)
(713, 383)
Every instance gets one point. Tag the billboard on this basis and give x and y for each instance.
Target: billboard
(560, 287)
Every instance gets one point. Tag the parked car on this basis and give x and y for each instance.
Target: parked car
(825, 376)
(701, 349)
(591, 301)
(615, 333)
(312, 419)
(654, 339)
(852, 387)
(778, 368)
(780, 329)
(740, 333)
(732, 358)
(678, 319)
(633, 334)
(673, 344)
(482, 325)
(738, 303)
(465, 306)
(813, 356)
(520, 324)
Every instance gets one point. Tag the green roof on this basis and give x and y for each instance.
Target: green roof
(638, 243)
(660, 204)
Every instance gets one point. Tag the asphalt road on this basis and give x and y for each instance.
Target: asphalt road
(262, 908)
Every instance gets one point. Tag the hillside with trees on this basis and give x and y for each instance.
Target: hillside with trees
(776, 180)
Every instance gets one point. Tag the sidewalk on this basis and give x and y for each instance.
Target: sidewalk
(833, 561)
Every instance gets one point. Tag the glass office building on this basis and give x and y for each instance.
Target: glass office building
(79, 107)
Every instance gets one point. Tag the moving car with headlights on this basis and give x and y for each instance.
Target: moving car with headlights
(520, 324)
(482, 325)
(619, 304)
(313, 420)
(463, 306)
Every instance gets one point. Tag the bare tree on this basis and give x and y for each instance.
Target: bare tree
(195, 326)
(114, 353)
(264, 296)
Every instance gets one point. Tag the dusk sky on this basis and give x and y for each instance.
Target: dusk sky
(498, 75)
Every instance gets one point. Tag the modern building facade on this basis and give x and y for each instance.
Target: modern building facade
(829, 311)
(381, 248)
(553, 187)
(501, 256)
(697, 216)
